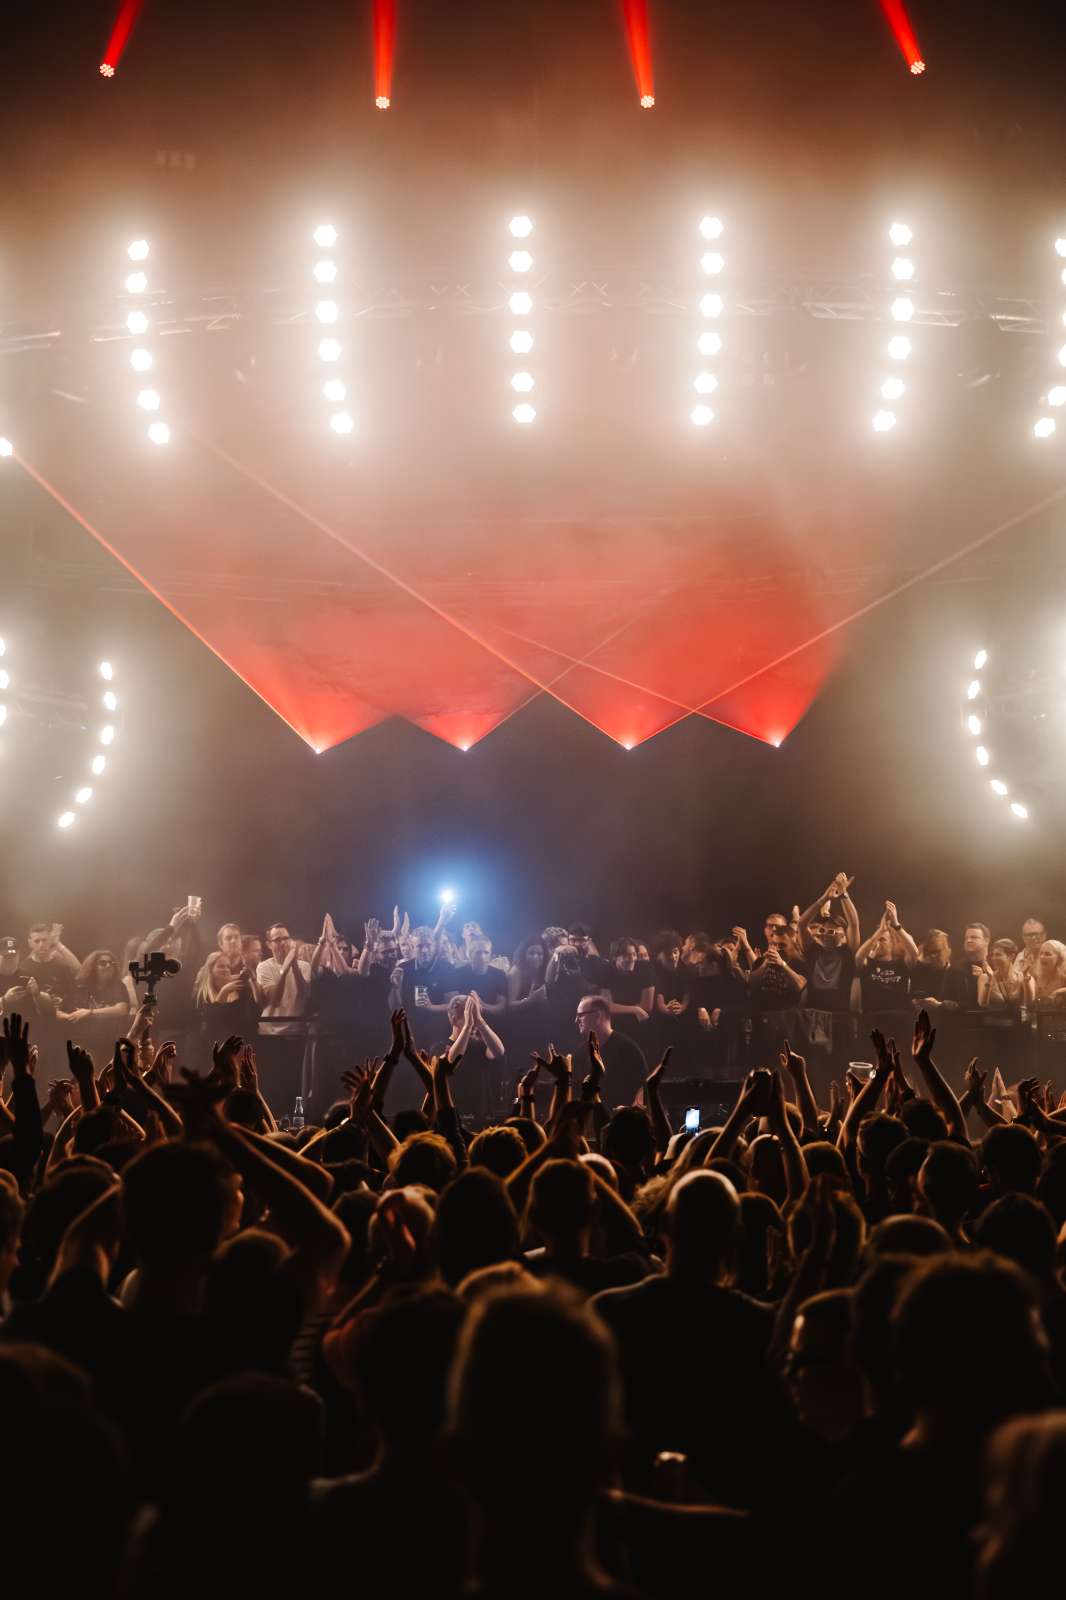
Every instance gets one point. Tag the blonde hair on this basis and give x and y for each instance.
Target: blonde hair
(206, 991)
(1045, 987)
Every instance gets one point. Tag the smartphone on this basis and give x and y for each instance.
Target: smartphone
(862, 1069)
(692, 1119)
(421, 995)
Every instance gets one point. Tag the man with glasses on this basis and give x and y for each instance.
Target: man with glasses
(623, 1060)
(285, 982)
(1034, 934)
(776, 985)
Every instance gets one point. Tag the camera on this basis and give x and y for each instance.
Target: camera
(155, 967)
(570, 963)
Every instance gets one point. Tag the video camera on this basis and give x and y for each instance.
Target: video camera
(155, 967)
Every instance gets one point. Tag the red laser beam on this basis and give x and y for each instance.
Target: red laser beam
(128, 12)
(900, 23)
(384, 51)
(638, 33)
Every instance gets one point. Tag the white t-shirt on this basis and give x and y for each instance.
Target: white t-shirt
(291, 1004)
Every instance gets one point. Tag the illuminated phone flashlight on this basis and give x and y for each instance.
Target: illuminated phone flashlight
(447, 897)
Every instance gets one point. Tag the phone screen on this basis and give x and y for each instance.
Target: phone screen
(692, 1119)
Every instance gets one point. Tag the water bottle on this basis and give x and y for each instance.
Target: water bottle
(298, 1115)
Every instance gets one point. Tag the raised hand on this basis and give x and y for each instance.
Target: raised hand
(248, 1069)
(162, 1069)
(60, 1098)
(975, 1082)
(124, 1065)
(360, 1087)
(924, 1037)
(791, 1063)
(755, 1095)
(557, 1066)
(82, 1070)
(16, 1046)
(655, 1076)
(225, 1057)
(198, 1101)
(527, 1083)
(398, 1024)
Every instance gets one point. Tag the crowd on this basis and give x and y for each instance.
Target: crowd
(719, 1001)
(573, 1350)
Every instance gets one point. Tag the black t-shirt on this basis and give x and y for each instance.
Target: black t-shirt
(53, 976)
(964, 985)
(626, 988)
(776, 991)
(937, 983)
(626, 1069)
(436, 977)
(597, 972)
(489, 986)
(830, 973)
(673, 983)
(886, 986)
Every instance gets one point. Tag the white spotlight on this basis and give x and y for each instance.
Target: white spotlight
(521, 303)
(1057, 395)
(903, 269)
(647, 101)
(711, 305)
(902, 309)
(141, 360)
(973, 723)
(521, 227)
(341, 422)
(701, 416)
(900, 234)
(708, 343)
(137, 322)
(159, 433)
(107, 734)
(524, 413)
(712, 263)
(1018, 809)
(106, 671)
(973, 689)
(138, 250)
(329, 350)
(382, 102)
(136, 283)
(110, 700)
(521, 342)
(712, 227)
(325, 235)
(64, 819)
(1060, 247)
(520, 261)
(84, 795)
(892, 388)
(1062, 351)
(705, 383)
(1044, 427)
(325, 271)
(982, 756)
(980, 660)
(884, 421)
(327, 311)
(899, 347)
(148, 400)
(334, 389)
(997, 786)
(522, 382)
(97, 765)
(6, 447)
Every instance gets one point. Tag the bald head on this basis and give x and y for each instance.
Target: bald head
(702, 1223)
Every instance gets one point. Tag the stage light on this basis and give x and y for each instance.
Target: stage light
(917, 68)
(701, 416)
(712, 263)
(335, 390)
(522, 382)
(382, 102)
(998, 786)
(327, 311)
(84, 795)
(1057, 395)
(341, 422)
(521, 303)
(140, 360)
(159, 433)
(903, 269)
(711, 305)
(973, 723)
(1044, 427)
(980, 660)
(1062, 350)
(325, 271)
(973, 689)
(106, 671)
(520, 261)
(524, 414)
(705, 383)
(899, 347)
(106, 70)
(647, 101)
(521, 226)
(709, 344)
(884, 421)
(97, 765)
(902, 309)
(148, 400)
(892, 389)
(136, 283)
(712, 227)
(6, 447)
(137, 322)
(900, 234)
(107, 734)
(982, 756)
(110, 700)
(64, 819)
(138, 250)
(325, 236)
(447, 897)
(1018, 809)
(521, 342)
(329, 350)
(1060, 247)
